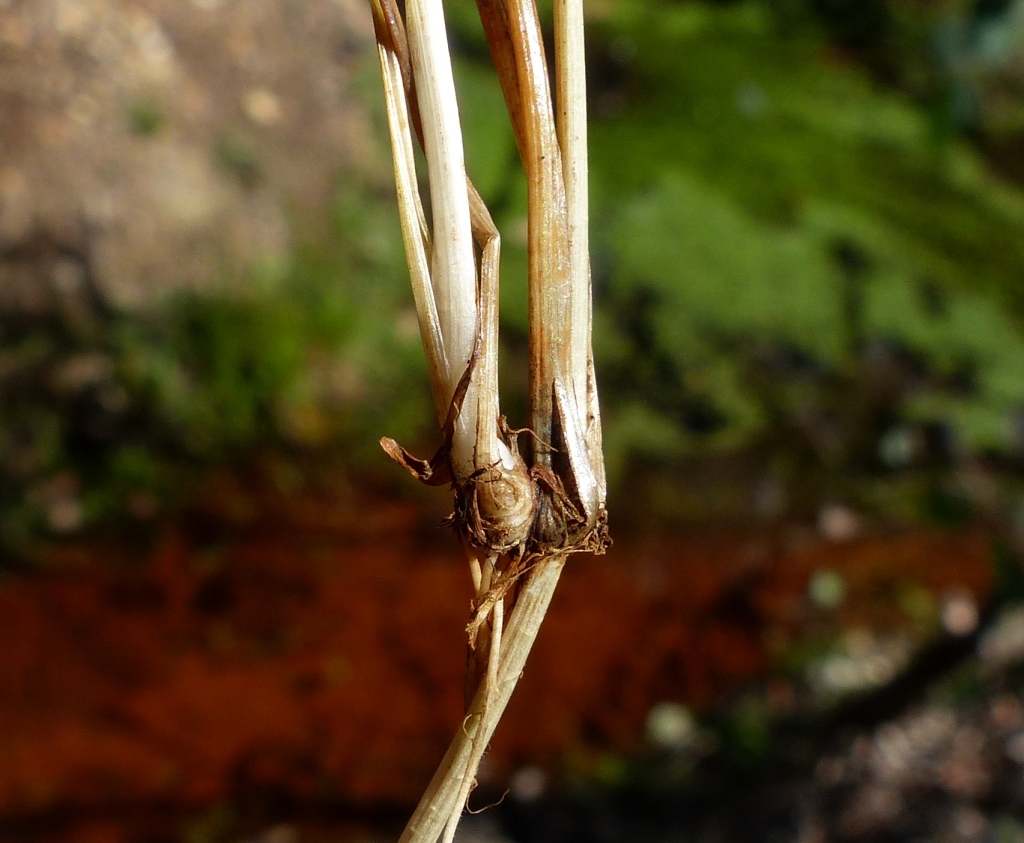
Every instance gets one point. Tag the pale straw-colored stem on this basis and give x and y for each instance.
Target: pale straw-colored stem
(457, 313)
(561, 410)
(490, 449)
(501, 510)
(442, 794)
(571, 102)
(549, 279)
(414, 230)
(490, 682)
(452, 271)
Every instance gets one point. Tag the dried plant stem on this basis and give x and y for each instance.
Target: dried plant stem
(489, 684)
(517, 524)
(571, 100)
(563, 396)
(452, 271)
(457, 307)
(442, 794)
(414, 226)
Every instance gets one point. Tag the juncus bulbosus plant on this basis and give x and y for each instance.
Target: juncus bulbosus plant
(519, 516)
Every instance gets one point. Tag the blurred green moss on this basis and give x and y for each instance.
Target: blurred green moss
(145, 118)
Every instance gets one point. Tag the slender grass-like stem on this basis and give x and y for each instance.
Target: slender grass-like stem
(518, 524)
(441, 796)
(414, 229)
(452, 271)
(489, 683)
(571, 102)
(457, 311)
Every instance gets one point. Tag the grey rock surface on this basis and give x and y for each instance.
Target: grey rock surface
(151, 145)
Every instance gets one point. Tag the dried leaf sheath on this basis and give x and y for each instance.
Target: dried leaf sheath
(571, 101)
(517, 525)
(563, 399)
(414, 230)
(549, 277)
(452, 269)
(457, 313)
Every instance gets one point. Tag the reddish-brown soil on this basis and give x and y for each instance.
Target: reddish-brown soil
(297, 643)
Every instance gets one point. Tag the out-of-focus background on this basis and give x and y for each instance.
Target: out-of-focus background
(226, 617)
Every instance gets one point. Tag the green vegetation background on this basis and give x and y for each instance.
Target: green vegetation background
(807, 277)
